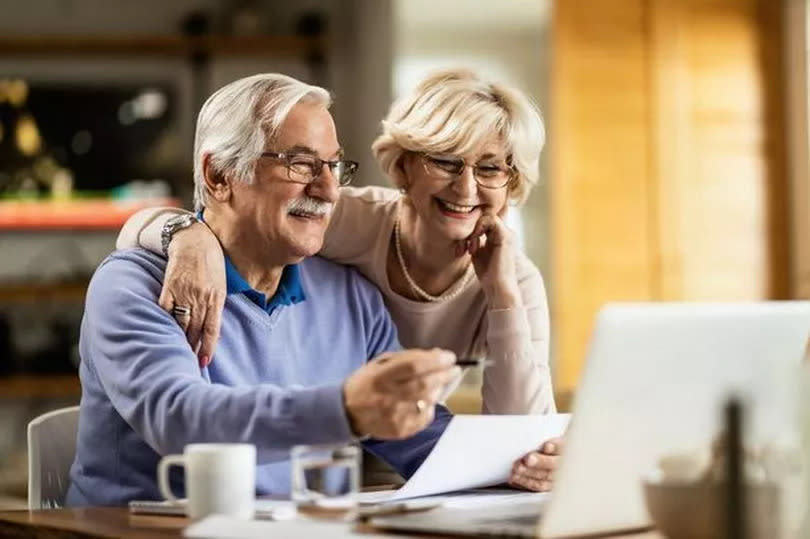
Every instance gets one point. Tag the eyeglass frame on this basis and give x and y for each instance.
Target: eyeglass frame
(286, 156)
(511, 171)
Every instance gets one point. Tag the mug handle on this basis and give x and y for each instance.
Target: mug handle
(163, 475)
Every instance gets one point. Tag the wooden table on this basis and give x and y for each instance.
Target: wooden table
(88, 523)
(106, 522)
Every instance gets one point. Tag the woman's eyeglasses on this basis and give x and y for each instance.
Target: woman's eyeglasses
(488, 174)
(306, 168)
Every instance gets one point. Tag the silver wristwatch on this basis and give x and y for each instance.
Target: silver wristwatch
(172, 226)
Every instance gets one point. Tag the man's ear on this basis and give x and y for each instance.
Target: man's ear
(217, 185)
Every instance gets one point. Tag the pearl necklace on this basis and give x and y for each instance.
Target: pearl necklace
(448, 295)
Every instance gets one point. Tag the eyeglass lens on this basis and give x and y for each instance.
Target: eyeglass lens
(305, 168)
(489, 174)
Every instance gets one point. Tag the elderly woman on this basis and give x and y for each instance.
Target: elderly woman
(458, 148)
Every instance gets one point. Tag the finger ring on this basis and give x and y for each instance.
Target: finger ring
(420, 406)
(181, 311)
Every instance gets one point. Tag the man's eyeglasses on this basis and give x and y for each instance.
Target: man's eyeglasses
(306, 168)
(488, 174)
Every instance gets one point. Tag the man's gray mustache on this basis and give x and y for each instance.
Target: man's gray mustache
(310, 206)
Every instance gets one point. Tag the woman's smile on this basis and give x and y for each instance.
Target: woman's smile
(455, 210)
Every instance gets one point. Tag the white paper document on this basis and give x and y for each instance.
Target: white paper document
(475, 451)
(460, 499)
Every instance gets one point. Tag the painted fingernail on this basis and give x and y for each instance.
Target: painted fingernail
(204, 361)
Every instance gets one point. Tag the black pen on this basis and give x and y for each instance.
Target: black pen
(461, 362)
(474, 362)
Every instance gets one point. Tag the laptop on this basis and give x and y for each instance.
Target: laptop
(656, 379)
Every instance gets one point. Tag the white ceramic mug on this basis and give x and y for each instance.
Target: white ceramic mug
(220, 479)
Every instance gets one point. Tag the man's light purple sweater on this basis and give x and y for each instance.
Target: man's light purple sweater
(275, 380)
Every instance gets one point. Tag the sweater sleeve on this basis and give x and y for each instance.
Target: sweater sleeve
(351, 231)
(517, 340)
(151, 377)
(143, 228)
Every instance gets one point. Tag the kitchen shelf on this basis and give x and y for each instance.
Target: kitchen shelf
(160, 45)
(32, 386)
(32, 292)
(84, 214)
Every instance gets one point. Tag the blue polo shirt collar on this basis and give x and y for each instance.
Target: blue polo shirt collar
(289, 291)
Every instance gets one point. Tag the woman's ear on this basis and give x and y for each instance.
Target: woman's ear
(400, 174)
(217, 184)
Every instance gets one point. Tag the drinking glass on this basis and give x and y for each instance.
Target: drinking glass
(325, 479)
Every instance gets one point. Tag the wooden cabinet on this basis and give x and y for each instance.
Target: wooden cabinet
(68, 236)
(668, 159)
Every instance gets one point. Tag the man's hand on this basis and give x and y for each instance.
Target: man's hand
(394, 395)
(195, 278)
(535, 470)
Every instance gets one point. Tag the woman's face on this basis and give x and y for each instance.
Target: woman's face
(449, 204)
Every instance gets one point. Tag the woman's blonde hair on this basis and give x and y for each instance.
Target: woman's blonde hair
(456, 111)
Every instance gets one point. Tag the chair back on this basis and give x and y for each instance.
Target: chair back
(51, 448)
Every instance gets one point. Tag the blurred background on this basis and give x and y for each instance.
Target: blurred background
(676, 167)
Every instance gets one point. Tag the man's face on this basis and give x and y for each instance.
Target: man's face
(270, 208)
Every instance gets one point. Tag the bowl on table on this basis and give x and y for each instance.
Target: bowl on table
(697, 509)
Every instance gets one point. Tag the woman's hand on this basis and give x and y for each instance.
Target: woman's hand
(492, 248)
(535, 470)
(195, 278)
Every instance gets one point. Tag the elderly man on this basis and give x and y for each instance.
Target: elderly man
(297, 333)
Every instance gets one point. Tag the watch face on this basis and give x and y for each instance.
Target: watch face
(179, 222)
(173, 225)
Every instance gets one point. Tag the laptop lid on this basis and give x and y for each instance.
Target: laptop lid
(656, 378)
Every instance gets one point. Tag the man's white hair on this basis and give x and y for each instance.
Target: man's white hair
(236, 122)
